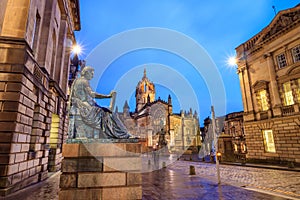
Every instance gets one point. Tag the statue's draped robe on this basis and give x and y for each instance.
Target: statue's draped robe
(102, 119)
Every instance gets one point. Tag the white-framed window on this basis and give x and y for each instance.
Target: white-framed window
(269, 141)
(296, 53)
(288, 94)
(263, 100)
(281, 60)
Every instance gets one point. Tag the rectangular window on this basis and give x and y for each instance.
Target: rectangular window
(263, 100)
(281, 61)
(269, 141)
(288, 94)
(296, 54)
(54, 131)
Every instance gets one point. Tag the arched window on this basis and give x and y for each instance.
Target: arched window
(159, 120)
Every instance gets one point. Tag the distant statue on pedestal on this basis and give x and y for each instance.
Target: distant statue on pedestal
(162, 142)
(87, 118)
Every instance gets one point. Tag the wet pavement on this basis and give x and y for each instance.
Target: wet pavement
(46, 190)
(280, 182)
(175, 185)
(174, 182)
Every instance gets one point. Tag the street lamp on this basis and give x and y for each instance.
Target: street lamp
(215, 142)
(76, 49)
(231, 61)
(219, 156)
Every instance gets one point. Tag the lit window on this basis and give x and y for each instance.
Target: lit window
(281, 61)
(54, 131)
(263, 100)
(269, 141)
(288, 94)
(296, 53)
(235, 147)
(244, 149)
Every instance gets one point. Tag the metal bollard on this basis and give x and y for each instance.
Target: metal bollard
(192, 170)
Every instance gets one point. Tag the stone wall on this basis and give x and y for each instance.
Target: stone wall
(33, 88)
(24, 119)
(286, 134)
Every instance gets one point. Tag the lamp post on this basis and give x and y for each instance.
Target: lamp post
(215, 143)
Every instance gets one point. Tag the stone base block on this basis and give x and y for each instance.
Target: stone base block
(95, 169)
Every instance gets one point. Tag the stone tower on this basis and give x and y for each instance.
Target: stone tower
(145, 91)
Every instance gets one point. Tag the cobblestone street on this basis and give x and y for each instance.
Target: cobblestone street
(268, 180)
(174, 182)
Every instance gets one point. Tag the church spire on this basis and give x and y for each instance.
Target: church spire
(145, 75)
(144, 90)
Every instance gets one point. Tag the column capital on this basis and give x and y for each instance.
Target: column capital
(268, 54)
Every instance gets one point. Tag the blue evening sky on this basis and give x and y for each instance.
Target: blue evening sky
(216, 27)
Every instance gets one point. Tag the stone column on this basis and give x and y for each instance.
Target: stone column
(275, 98)
(66, 63)
(294, 86)
(61, 52)
(249, 115)
(242, 84)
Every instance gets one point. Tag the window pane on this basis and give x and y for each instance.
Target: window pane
(263, 100)
(269, 141)
(281, 61)
(288, 94)
(296, 54)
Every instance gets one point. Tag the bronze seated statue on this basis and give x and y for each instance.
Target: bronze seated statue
(87, 118)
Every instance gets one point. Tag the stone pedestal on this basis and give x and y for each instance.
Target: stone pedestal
(101, 169)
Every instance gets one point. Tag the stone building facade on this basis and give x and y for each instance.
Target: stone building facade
(232, 141)
(150, 116)
(34, 64)
(269, 73)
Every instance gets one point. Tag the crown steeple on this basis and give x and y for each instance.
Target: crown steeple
(145, 92)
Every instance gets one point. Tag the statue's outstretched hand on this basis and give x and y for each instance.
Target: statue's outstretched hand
(112, 93)
(101, 96)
